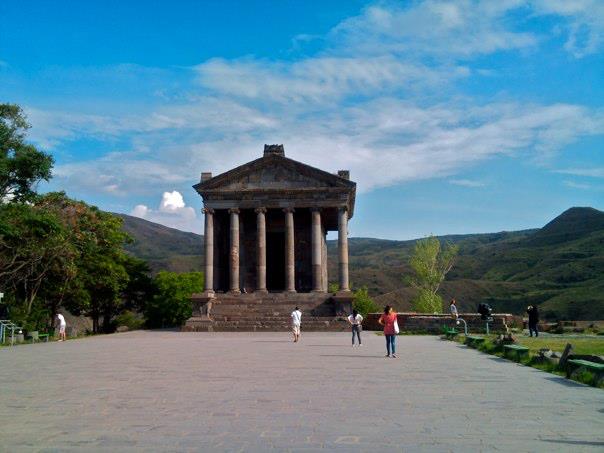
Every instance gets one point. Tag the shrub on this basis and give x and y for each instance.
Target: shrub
(171, 306)
(362, 303)
(427, 302)
(130, 320)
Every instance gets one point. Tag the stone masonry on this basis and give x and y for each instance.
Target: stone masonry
(266, 224)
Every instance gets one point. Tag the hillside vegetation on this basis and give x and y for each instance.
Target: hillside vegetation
(559, 267)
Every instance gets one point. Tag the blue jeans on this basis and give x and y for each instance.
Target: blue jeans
(356, 330)
(391, 344)
(533, 328)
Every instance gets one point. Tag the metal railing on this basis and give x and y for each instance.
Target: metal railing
(5, 325)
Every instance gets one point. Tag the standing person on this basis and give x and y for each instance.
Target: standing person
(62, 326)
(355, 320)
(533, 320)
(296, 323)
(388, 320)
(453, 310)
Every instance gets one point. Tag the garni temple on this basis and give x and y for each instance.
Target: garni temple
(265, 248)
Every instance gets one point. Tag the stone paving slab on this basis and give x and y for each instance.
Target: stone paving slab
(173, 391)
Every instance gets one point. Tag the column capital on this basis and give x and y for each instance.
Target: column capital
(315, 209)
(343, 208)
(234, 211)
(207, 211)
(260, 210)
(287, 210)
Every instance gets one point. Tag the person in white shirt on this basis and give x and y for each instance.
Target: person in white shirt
(296, 322)
(62, 326)
(355, 320)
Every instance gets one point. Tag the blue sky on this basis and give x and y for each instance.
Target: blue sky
(453, 117)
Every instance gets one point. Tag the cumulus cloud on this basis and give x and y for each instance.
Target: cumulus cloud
(171, 212)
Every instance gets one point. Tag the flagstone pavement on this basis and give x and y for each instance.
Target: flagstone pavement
(172, 391)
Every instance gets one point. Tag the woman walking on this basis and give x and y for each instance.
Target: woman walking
(355, 320)
(388, 320)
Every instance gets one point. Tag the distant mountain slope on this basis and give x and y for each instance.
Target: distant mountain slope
(162, 247)
(560, 267)
(572, 224)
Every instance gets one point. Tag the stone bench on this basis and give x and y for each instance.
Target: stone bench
(474, 340)
(449, 333)
(573, 364)
(518, 350)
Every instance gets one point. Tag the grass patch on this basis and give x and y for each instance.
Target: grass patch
(593, 346)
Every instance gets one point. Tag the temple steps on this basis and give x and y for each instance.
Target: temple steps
(271, 312)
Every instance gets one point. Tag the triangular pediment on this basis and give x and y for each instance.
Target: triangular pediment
(273, 173)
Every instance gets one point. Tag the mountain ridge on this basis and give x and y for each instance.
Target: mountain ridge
(559, 267)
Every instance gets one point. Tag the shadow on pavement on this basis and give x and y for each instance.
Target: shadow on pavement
(575, 442)
(567, 382)
(355, 356)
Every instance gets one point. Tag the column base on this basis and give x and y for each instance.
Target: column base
(234, 291)
(261, 291)
(291, 291)
(342, 302)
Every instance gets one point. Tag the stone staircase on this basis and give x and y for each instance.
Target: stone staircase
(269, 312)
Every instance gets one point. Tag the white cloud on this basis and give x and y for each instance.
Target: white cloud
(172, 212)
(440, 28)
(315, 79)
(577, 185)
(594, 172)
(466, 183)
(584, 23)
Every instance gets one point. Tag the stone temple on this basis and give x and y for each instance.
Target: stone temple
(265, 246)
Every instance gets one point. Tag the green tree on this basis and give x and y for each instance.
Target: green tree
(362, 303)
(22, 165)
(171, 306)
(430, 264)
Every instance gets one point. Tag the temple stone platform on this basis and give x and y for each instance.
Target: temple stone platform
(271, 312)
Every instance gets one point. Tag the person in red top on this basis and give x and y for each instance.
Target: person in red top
(388, 320)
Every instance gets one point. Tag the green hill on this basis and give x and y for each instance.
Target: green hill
(560, 267)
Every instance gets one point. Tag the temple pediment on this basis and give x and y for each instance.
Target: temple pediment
(273, 172)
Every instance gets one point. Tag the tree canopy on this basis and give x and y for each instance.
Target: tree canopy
(430, 263)
(55, 251)
(22, 165)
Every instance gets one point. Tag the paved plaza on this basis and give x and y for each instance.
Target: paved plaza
(172, 391)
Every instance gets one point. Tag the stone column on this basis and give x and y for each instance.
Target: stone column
(343, 248)
(261, 250)
(316, 249)
(290, 265)
(209, 249)
(234, 252)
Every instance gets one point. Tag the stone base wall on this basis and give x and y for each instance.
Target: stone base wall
(433, 324)
(251, 312)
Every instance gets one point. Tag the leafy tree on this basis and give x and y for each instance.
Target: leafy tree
(430, 263)
(22, 165)
(171, 306)
(34, 244)
(140, 287)
(362, 303)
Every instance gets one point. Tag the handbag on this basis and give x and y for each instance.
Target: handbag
(396, 329)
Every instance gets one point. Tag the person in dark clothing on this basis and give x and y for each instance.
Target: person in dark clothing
(533, 320)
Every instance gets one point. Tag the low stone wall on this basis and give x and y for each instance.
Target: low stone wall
(433, 324)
